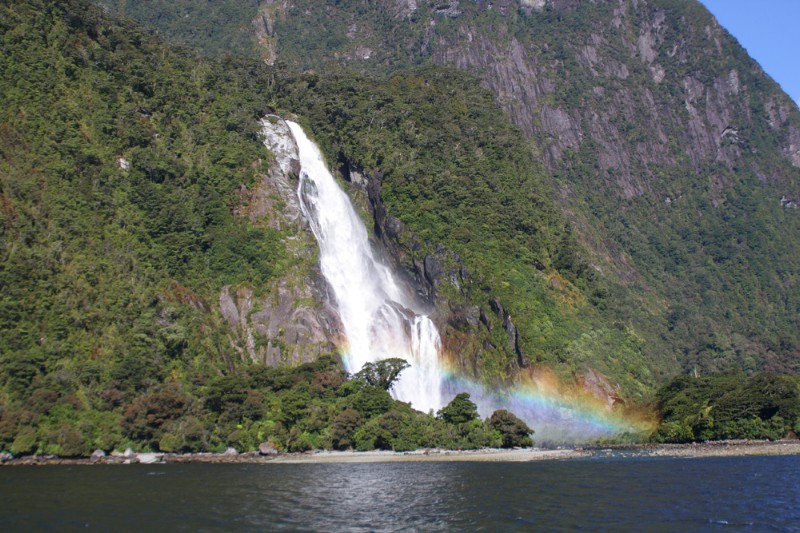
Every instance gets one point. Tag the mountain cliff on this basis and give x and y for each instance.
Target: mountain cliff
(605, 192)
(673, 154)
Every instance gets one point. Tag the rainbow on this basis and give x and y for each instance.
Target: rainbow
(558, 414)
(380, 319)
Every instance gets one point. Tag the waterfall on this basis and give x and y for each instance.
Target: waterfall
(380, 319)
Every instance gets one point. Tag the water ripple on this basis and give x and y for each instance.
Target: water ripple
(611, 494)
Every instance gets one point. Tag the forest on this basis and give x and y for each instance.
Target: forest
(121, 159)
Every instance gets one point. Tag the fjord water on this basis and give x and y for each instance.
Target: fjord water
(717, 494)
(380, 320)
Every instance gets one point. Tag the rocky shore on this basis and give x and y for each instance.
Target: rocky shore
(723, 448)
(705, 449)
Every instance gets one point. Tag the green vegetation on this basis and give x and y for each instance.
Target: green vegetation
(312, 406)
(120, 161)
(122, 165)
(729, 406)
(515, 432)
(215, 28)
(382, 374)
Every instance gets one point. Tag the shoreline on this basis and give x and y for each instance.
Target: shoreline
(696, 450)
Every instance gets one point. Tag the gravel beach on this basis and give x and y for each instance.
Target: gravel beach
(705, 449)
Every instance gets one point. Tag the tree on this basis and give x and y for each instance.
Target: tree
(459, 411)
(382, 373)
(371, 401)
(514, 431)
(343, 427)
(144, 418)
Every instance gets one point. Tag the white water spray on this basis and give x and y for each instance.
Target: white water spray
(379, 319)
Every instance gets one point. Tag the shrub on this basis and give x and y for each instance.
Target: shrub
(343, 427)
(460, 410)
(513, 431)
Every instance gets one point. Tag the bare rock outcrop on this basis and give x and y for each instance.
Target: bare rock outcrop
(600, 387)
(290, 324)
(291, 320)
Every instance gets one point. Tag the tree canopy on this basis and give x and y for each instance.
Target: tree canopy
(460, 410)
(728, 406)
(515, 432)
(383, 373)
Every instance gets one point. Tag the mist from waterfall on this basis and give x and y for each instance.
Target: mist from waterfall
(379, 318)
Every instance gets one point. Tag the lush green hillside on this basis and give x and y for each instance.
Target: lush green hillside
(125, 166)
(119, 161)
(673, 154)
(728, 406)
(213, 28)
(123, 163)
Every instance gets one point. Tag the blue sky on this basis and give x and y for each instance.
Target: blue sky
(770, 31)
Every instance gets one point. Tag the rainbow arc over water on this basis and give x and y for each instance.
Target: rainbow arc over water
(559, 413)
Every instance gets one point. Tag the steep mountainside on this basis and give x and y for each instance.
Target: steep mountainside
(673, 154)
(155, 269)
(211, 27)
(140, 255)
(598, 193)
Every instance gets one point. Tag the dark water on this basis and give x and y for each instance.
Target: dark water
(722, 494)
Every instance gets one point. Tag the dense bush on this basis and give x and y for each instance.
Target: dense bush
(728, 406)
(515, 432)
(120, 162)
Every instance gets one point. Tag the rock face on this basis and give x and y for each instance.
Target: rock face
(279, 328)
(291, 321)
(598, 386)
(274, 199)
(606, 103)
(589, 89)
(263, 26)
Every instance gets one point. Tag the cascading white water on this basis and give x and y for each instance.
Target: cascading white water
(379, 319)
